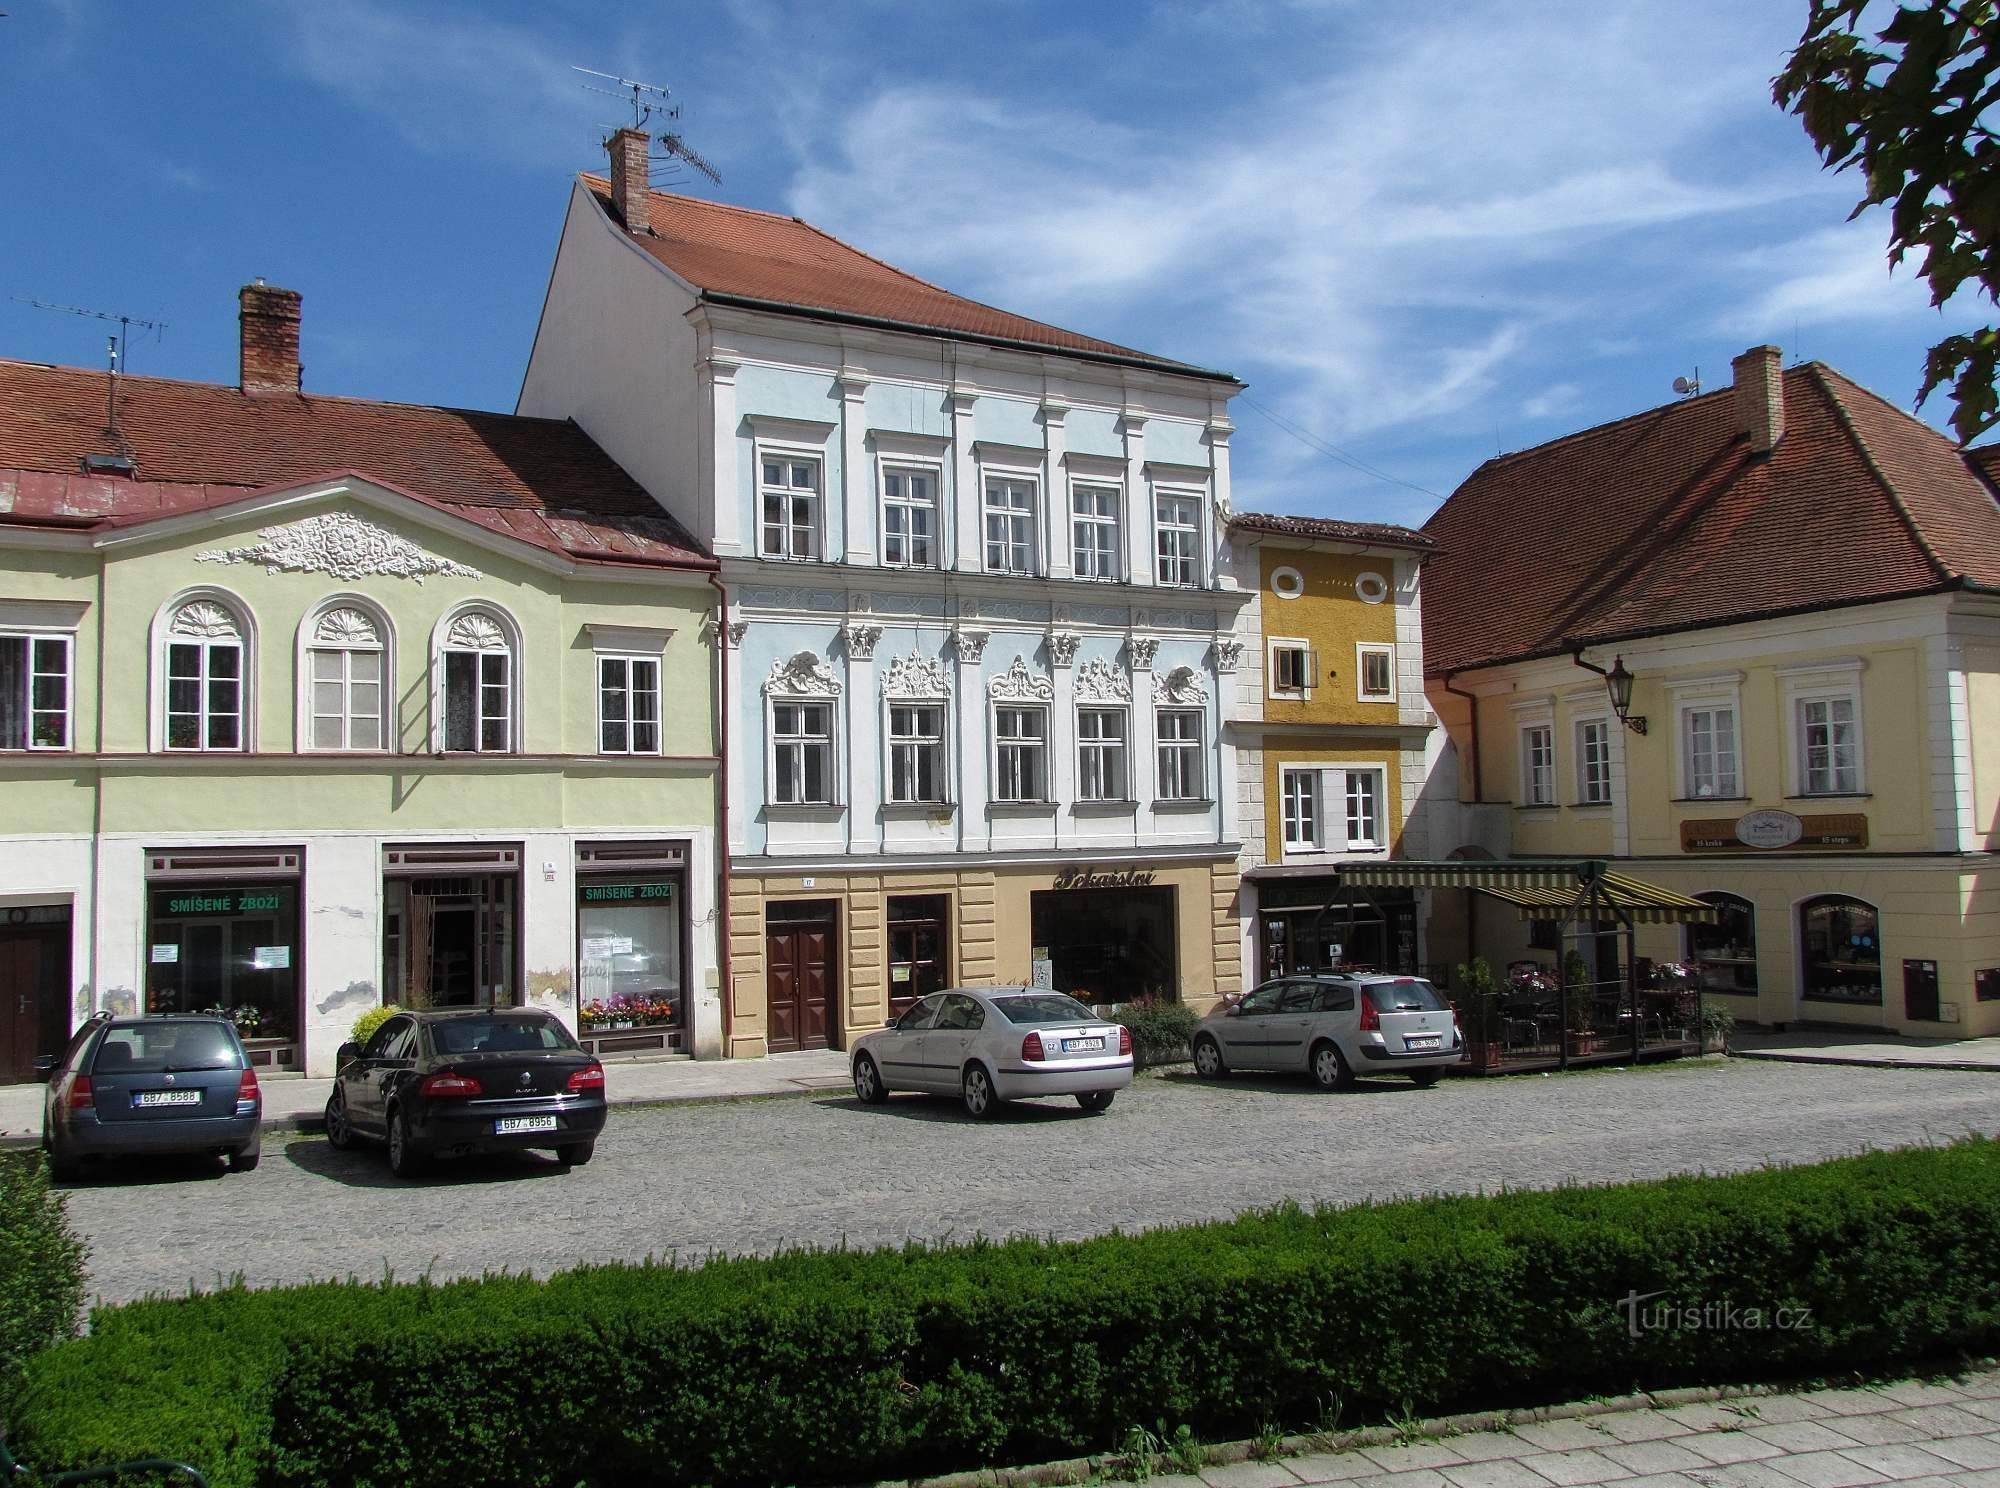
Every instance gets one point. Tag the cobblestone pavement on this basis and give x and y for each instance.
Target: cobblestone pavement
(754, 1175)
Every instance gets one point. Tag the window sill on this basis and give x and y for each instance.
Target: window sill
(1591, 810)
(803, 810)
(786, 558)
(919, 808)
(1832, 796)
(1539, 806)
(1096, 803)
(1020, 808)
(1708, 800)
(1185, 803)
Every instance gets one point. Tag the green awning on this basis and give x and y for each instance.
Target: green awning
(1542, 889)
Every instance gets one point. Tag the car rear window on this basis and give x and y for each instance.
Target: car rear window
(1043, 1007)
(150, 1048)
(499, 1035)
(1405, 995)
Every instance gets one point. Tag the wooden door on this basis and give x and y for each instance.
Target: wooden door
(919, 944)
(34, 994)
(800, 944)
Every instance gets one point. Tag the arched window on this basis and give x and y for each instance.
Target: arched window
(1725, 953)
(202, 661)
(1840, 950)
(346, 666)
(476, 684)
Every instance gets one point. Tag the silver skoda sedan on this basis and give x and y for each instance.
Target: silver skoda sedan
(990, 1045)
(1333, 1027)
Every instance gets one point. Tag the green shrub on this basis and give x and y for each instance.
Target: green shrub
(368, 1022)
(41, 1266)
(1160, 1030)
(836, 1366)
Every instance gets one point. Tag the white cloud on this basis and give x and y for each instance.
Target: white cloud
(1554, 402)
(1838, 274)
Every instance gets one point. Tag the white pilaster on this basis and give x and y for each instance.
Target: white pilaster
(1055, 525)
(970, 741)
(1220, 571)
(1138, 500)
(965, 486)
(1144, 766)
(857, 480)
(719, 393)
(864, 737)
(747, 735)
(1062, 734)
(1228, 782)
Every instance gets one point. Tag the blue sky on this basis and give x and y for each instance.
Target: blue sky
(1421, 233)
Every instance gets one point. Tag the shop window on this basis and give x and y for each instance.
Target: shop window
(346, 679)
(1841, 945)
(1593, 762)
(449, 939)
(1177, 538)
(34, 691)
(1178, 732)
(1010, 525)
(916, 752)
(790, 498)
(629, 957)
(1100, 754)
(1725, 953)
(909, 517)
(203, 664)
(1375, 672)
(1106, 945)
(477, 684)
(1538, 765)
(227, 949)
(1021, 754)
(628, 704)
(1094, 531)
(802, 753)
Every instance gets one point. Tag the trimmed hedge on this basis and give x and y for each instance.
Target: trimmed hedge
(1161, 1031)
(41, 1266)
(844, 1366)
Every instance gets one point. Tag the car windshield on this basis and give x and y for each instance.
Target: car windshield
(499, 1035)
(1043, 1007)
(150, 1048)
(1405, 995)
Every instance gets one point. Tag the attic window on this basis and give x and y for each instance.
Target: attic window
(109, 465)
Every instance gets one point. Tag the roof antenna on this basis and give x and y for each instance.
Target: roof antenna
(125, 322)
(650, 101)
(1689, 387)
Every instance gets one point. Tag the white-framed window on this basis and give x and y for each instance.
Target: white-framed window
(1593, 762)
(476, 684)
(1292, 668)
(1299, 809)
(916, 752)
(35, 672)
(1829, 744)
(1334, 807)
(909, 516)
(203, 663)
(1020, 752)
(1708, 752)
(789, 505)
(1100, 754)
(1362, 790)
(1177, 538)
(1094, 530)
(1375, 672)
(1538, 765)
(346, 680)
(801, 764)
(1177, 737)
(1010, 524)
(628, 704)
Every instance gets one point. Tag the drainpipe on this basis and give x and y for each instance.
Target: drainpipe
(1472, 707)
(722, 803)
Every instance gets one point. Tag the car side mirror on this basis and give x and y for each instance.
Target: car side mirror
(45, 1065)
(346, 1053)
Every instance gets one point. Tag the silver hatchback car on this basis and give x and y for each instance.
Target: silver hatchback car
(1333, 1026)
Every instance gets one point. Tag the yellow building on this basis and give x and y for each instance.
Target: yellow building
(1797, 588)
(1332, 730)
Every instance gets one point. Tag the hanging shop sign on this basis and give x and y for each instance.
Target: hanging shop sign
(1116, 878)
(1775, 831)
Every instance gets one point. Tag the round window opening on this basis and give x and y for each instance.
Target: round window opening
(1372, 588)
(1287, 583)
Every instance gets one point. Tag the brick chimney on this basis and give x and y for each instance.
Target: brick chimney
(629, 191)
(1760, 397)
(269, 334)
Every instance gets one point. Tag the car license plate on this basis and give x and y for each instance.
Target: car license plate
(508, 1125)
(1083, 1046)
(1423, 1041)
(166, 1097)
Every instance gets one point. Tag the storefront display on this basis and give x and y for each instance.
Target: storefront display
(629, 954)
(229, 949)
(1106, 945)
(1842, 947)
(1305, 926)
(450, 926)
(1725, 953)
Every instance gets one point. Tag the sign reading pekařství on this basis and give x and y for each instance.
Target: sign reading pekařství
(1117, 878)
(1776, 831)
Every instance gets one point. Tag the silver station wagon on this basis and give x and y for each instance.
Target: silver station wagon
(1333, 1026)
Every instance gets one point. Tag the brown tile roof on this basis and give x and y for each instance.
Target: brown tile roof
(1665, 521)
(1332, 529)
(200, 444)
(733, 254)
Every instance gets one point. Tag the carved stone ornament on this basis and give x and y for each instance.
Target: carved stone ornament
(1062, 647)
(206, 619)
(346, 626)
(1143, 649)
(916, 677)
(1180, 687)
(340, 544)
(735, 632)
(970, 642)
(1019, 685)
(804, 674)
(1228, 654)
(861, 639)
(1100, 681)
(475, 631)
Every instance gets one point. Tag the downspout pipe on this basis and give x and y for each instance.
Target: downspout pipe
(1472, 708)
(722, 937)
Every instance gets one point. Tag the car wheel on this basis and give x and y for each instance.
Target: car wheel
(339, 1130)
(1426, 1078)
(404, 1159)
(976, 1091)
(1329, 1067)
(1096, 1100)
(576, 1154)
(1208, 1062)
(868, 1086)
(245, 1159)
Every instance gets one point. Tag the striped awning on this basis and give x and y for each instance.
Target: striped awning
(1542, 889)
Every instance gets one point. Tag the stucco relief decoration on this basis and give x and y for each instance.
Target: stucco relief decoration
(861, 640)
(1100, 681)
(474, 631)
(1228, 655)
(1180, 687)
(346, 627)
(1143, 649)
(803, 674)
(1062, 647)
(970, 642)
(916, 677)
(1019, 685)
(205, 619)
(340, 544)
(736, 631)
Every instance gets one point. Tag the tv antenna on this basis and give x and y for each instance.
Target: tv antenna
(650, 101)
(1689, 387)
(124, 322)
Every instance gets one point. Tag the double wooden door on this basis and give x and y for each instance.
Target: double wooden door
(801, 979)
(34, 989)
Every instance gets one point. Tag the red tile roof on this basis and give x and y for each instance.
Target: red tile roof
(198, 444)
(1332, 529)
(736, 255)
(1665, 521)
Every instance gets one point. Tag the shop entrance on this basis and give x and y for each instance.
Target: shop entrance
(34, 987)
(801, 980)
(1107, 945)
(448, 941)
(919, 938)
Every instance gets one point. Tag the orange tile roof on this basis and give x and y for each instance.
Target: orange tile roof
(1331, 529)
(736, 255)
(1665, 521)
(198, 444)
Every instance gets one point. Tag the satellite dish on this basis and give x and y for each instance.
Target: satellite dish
(1682, 385)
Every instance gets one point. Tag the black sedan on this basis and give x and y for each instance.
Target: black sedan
(445, 1082)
